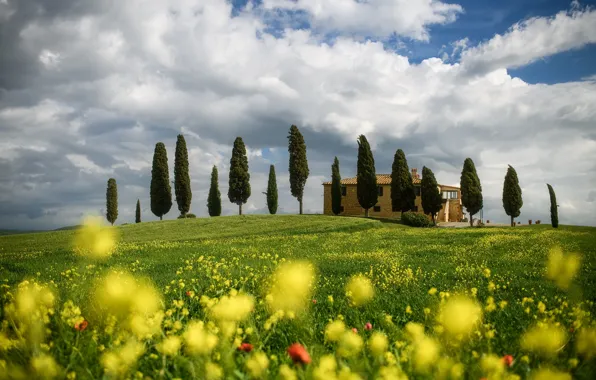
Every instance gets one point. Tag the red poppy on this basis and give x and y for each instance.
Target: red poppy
(246, 347)
(314, 301)
(368, 326)
(188, 293)
(354, 330)
(299, 354)
(81, 326)
(507, 360)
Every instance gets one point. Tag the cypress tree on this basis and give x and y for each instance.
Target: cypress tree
(512, 195)
(298, 164)
(403, 197)
(161, 191)
(366, 187)
(138, 212)
(181, 177)
(431, 198)
(239, 180)
(471, 189)
(112, 201)
(272, 191)
(214, 198)
(554, 213)
(335, 187)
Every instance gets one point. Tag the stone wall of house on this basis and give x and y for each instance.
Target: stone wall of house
(352, 207)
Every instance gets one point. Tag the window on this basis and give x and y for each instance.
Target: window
(380, 191)
(377, 209)
(417, 190)
(341, 209)
(343, 191)
(449, 194)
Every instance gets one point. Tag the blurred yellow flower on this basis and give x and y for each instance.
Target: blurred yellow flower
(562, 268)
(94, 240)
(45, 366)
(334, 331)
(287, 373)
(213, 371)
(291, 287)
(378, 344)
(360, 290)
(326, 368)
(117, 363)
(544, 339)
(233, 308)
(350, 344)
(459, 316)
(586, 342)
(492, 366)
(198, 340)
(426, 353)
(257, 364)
(169, 346)
(549, 374)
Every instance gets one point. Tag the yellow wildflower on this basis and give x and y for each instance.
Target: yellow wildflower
(198, 340)
(233, 308)
(287, 373)
(460, 315)
(360, 290)
(432, 291)
(350, 344)
(257, 364)
(562, 268)
(378, 343)
(334, 331)
(586, 342)
(326, 368)
(426, 353)
(213, 371)
(45, 366)
(544, 339)
(291, 287)
(549, 374)
(93, 240)
(169, 346)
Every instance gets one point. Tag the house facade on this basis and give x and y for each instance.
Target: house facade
(451, 211)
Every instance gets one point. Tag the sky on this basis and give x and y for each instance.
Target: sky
(88, 88)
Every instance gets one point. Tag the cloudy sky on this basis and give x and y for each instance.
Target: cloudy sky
(88, 87)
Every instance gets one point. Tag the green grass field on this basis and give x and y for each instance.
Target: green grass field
(211, 256)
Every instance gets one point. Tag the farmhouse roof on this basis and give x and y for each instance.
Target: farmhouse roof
(385, 179)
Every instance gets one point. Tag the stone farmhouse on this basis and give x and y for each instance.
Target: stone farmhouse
(451, 211)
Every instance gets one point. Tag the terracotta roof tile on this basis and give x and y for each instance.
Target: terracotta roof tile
(382, 179)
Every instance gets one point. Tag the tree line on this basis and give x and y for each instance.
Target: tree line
(239, 189)
(403, 195)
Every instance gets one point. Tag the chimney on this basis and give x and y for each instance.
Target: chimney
(415, 173)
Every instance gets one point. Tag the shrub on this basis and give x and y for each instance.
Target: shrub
(415, 219)
(187, 216)
(530, 221)
(538, 221)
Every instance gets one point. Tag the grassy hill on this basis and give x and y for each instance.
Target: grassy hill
(210, 256)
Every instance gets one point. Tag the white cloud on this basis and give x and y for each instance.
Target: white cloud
(133, 74)
(409, 18)
(533, 39)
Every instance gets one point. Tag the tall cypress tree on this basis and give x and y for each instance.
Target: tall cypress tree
(366, 186)
(298, 164)
(512, 195)
(214, 198)
(161, 191)
(554, 213)
(239, 180)
(471, 190)
(335, 187)
(272, 191)
(403, 197)
(138, 212)
(112, 201)
(431, 198)
(181, 177)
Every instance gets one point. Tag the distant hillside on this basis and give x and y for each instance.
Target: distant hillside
(15, 232)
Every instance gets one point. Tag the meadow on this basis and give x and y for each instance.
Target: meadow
(299, 297)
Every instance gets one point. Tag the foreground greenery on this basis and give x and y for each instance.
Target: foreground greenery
(104, 320)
